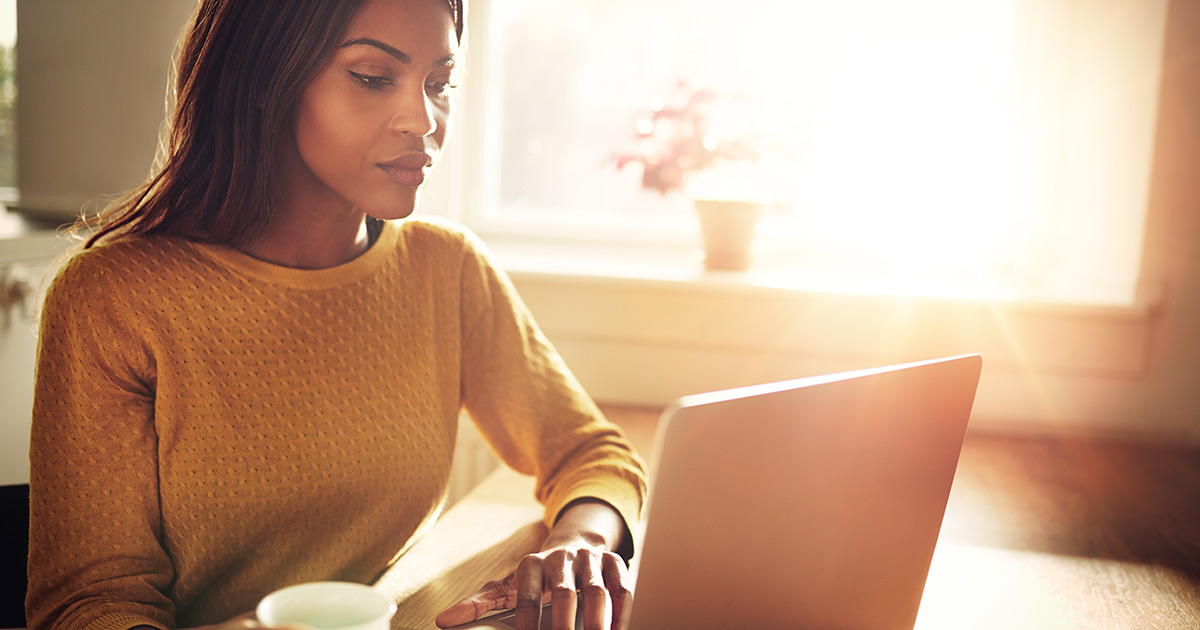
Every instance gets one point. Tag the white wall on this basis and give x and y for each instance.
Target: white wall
(1046, 367)
(92, 79)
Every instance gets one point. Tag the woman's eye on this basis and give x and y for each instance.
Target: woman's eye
(440, 87)
(369, 81)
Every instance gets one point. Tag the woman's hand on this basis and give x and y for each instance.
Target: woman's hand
(576, 559)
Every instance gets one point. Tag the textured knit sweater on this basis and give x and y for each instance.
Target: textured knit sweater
(209, 427)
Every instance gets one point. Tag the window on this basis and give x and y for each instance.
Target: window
(8, 99)
(992, 147)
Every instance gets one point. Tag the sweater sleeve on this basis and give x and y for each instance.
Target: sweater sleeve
(531, 409)
(95, 558)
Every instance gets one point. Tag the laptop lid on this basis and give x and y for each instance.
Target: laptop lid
(812, 503)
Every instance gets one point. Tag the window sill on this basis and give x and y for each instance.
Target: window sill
(680, 267)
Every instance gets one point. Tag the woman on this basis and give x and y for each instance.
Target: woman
(250, 375)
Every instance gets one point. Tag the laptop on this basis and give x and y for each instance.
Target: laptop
(810, 503)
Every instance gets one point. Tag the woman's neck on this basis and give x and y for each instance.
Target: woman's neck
(311, 242)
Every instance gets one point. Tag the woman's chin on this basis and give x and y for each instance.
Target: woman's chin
(391, 214)
(393, 211)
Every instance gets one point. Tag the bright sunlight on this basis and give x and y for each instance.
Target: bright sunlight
(991, 148)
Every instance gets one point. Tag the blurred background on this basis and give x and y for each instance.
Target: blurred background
(1008, 177)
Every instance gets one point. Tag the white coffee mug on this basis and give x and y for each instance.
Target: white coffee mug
(328, 606)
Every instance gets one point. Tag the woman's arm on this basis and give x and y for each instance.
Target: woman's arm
(537, 417)
(529, 406)
(94, 555)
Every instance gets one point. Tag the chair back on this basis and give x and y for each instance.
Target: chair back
(14, 554)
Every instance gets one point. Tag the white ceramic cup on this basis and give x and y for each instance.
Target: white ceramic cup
(328, 606)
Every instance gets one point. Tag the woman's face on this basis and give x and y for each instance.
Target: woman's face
(374, 119)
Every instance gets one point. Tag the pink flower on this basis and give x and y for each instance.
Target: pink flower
(698, 130)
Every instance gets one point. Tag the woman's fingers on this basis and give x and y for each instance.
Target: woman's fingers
(496, 595)
(560, 581)
(592, 591)
(530, 581)
(619, 588)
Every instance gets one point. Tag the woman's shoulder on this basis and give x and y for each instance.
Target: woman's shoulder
(426, 233)
(130, 251)
(436, 229)
(143, 257)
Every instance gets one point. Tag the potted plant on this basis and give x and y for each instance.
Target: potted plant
(705, 144)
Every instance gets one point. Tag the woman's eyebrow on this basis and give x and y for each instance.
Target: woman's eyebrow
(399, 55)
(391, 51)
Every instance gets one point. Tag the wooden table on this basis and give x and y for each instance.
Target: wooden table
(1039, 533)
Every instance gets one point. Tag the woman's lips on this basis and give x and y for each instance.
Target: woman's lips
(411, 177)
(408, 169)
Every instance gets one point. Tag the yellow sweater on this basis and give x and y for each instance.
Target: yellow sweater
(208, 427)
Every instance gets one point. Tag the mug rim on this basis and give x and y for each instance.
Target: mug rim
(265, 607)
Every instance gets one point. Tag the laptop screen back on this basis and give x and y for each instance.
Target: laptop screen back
(813, 503)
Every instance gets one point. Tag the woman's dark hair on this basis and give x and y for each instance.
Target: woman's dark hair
(241, 68)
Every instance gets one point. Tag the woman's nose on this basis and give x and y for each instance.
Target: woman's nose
(414, 114)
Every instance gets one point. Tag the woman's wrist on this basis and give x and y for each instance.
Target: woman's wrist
(588, 521)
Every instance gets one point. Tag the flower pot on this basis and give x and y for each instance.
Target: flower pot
(727, 231)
